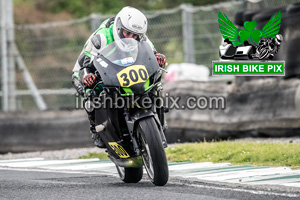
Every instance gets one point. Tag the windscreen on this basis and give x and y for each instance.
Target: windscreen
(121, 52)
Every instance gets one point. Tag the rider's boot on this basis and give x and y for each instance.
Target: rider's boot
(98, 142)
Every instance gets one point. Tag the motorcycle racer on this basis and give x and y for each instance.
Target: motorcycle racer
(128, 23)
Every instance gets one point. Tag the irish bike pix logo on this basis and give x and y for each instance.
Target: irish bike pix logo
(247, 51)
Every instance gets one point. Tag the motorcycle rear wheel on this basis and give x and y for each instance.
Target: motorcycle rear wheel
(153, 153)
(130, 175)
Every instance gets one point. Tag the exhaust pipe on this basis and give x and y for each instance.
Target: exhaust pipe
(128, 162)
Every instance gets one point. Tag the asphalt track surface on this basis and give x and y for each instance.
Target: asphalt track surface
(39, 184)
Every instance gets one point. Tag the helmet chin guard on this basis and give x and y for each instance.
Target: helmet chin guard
(132, 20)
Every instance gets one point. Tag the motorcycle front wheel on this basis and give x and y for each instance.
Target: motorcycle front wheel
(153, 152)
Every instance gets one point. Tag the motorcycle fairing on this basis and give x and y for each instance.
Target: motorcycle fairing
(109, 71)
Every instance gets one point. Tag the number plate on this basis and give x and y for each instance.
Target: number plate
(133, 75)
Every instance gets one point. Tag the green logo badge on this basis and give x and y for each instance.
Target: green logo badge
(248, 44)
(230, 32)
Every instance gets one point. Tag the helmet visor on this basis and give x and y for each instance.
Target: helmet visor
(128, 34)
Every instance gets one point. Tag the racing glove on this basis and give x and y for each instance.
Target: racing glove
(89, 80)
(161, 59)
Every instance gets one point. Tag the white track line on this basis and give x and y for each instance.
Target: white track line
(197, 165)
(21, 160)
(39, 163)
(291, 184)
(242, 173)
(245, 190)
(255, 179)
(86, 166)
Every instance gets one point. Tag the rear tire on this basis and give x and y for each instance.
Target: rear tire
(130, 175)
(153, 153)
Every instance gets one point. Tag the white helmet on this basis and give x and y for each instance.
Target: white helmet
(131, 20)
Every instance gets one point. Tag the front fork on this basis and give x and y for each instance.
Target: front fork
(161, 109)
(160, 117)
(131, 120)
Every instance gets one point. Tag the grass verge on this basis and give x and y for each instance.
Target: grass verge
(254, 153)
(259, 154)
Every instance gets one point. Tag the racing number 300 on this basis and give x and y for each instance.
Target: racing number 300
(133, 75)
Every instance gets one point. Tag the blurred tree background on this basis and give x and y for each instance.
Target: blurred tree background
(39, 11)
(50, 50)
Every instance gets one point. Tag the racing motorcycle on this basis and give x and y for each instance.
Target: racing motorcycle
(131, 127)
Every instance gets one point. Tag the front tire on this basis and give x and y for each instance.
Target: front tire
(153, 153)
(130, 175)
